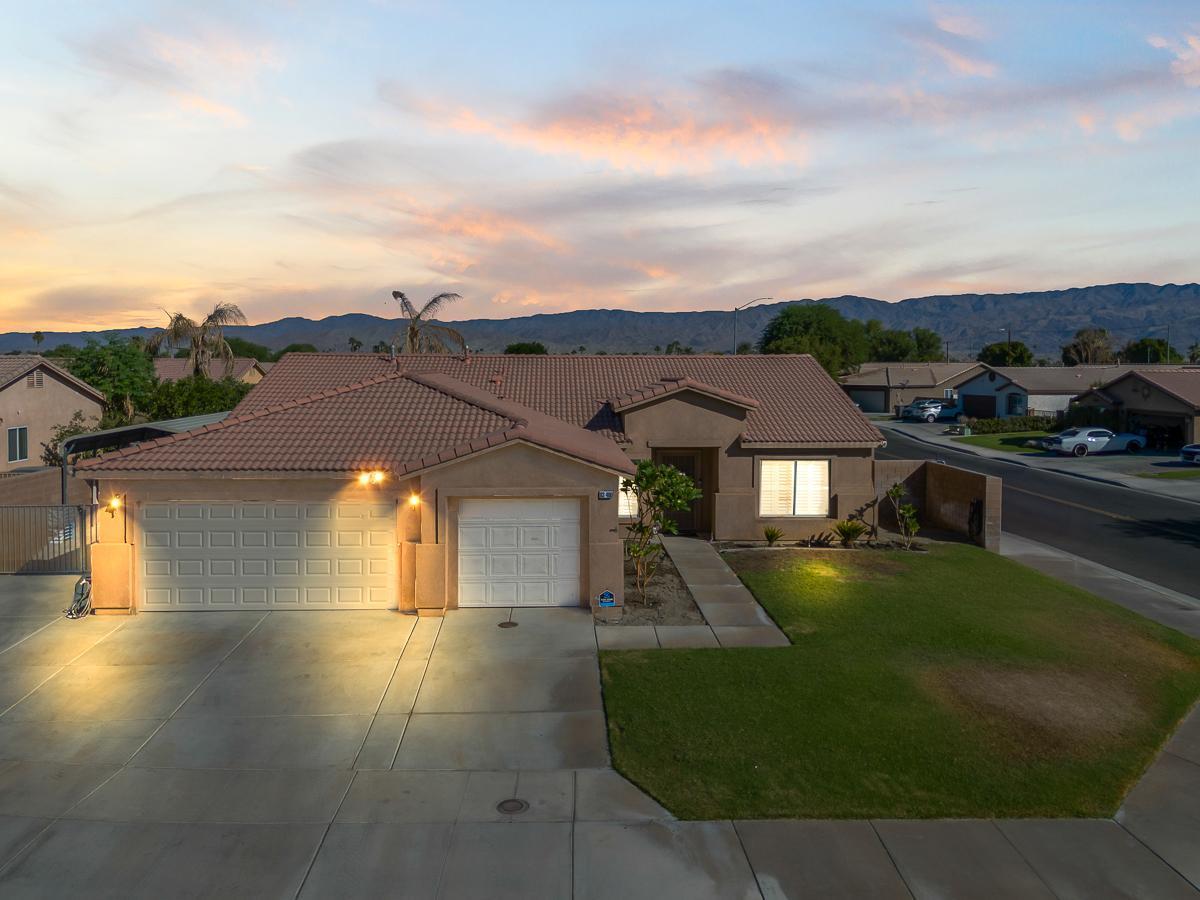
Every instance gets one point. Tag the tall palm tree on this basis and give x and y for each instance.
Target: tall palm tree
(422, 334)
(205, 339)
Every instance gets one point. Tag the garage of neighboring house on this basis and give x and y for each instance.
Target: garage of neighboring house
(1164, 403)
(335, 554)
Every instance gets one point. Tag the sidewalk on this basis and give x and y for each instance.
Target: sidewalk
(1092, 469)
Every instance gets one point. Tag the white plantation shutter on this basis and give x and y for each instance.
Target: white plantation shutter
(793, 487)
(812, 487)
(777, 491)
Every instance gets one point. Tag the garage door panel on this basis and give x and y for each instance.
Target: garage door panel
(190, 553)
(518, 552)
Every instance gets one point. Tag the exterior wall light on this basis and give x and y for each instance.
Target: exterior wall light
(373, 477)
(114, 504)
(414, 499)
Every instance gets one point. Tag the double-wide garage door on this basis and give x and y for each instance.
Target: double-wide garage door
(518, 552)
(268, 555)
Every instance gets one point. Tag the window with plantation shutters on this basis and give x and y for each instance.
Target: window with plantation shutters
(793, 487)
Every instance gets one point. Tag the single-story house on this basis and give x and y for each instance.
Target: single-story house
(432, 482)
(1004, 391)
(243, 368)
(882, 387)
(1162, 400)
(36, 396)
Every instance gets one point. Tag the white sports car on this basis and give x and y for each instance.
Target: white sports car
(1082, 441)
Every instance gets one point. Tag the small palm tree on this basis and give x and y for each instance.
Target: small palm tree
(422, 334)
(205, 340)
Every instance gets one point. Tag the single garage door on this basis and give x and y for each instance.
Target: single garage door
(868, 400)
(518, 552)
(979, 406)
(269, 555)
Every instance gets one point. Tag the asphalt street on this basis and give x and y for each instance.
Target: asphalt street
(1150, 537)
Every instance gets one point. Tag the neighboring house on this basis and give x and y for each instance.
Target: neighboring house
(36, 396)
(882, 387)
(431, 482)
(1166, 401)
(1004, 391)
(245, 369)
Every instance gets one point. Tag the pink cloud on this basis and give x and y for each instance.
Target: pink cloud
(1186, 50)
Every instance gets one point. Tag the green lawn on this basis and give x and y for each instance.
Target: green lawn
(1193, 472)
(1011, 443)
(948, 683)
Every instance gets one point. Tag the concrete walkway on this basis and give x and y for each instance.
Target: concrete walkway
(733, 616)
(368, 754)
(1107, 469)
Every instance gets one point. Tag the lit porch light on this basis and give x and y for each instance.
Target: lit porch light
(414, 499)
(374, 476)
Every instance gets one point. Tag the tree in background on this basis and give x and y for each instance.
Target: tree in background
(250, 350)
(194, 396)
(675, 348)
(526, 348)
(38, 337)
(204, 340)
(1194, 353)
(744, 348)
(119, 369)
(78, 424)
(837, 343)
(929, 346)
(1089, 347)
(381, 347)
(298, 348)
(355, 344)
(422, 334)
(1006, 353)
(62, 351)
(892, 345)
(1150, 351)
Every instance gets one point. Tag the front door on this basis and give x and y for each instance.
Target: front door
(687, 462)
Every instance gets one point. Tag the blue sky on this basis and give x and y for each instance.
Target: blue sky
(306, 158)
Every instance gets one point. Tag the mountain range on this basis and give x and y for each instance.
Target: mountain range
(1044, 320)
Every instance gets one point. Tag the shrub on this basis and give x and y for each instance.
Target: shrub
(906, 514)
(850, 530)
(772, 534)
(659, 489)
(1013, 424)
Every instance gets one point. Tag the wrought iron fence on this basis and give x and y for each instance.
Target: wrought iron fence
(46, 540)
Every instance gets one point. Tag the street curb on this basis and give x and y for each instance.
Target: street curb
(1025, 465)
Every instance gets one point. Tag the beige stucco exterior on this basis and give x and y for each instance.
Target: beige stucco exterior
(1140, 402)
(40, 410)
(426, 533)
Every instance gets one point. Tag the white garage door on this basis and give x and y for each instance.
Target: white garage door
(518, 553)
(270, 555)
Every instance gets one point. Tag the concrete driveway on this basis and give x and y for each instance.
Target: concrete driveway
(320, 754)
(361, 754)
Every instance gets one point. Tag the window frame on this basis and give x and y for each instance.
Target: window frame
(758, 467)
(20, 430)
(622, 496)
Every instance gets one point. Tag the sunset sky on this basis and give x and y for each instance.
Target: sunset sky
(304, 158)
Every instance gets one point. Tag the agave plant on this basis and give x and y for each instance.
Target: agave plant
(205, 340)
(772, 534)
(422, 334)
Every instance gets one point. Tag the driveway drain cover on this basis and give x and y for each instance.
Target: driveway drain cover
(512, 806)
(508, 625)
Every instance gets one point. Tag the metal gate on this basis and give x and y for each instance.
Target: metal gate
(46, 540)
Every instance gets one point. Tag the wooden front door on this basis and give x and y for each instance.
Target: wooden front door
(687, 462)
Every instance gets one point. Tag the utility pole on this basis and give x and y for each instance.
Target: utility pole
(1168, 344)
(735, 312)
(947, 351)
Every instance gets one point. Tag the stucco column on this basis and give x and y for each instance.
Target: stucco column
(112, 561)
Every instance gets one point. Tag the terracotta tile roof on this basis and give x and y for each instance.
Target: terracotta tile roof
(798, 403)
(13, 368)
(665, 386)
(393, 422)
(168, 368)
(1181, 383)
(911, 375)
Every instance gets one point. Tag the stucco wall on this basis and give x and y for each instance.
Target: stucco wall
(943, 496)
(40, 410)
(687, 421)
(42, 488)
